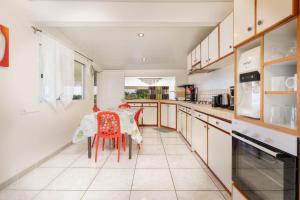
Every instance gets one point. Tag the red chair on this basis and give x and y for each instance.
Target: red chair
(95, 109)
(125, 105)
(136, 119)
(108, 128)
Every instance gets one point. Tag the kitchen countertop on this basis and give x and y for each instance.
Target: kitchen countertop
(208, 109)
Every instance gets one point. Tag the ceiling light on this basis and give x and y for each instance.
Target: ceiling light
(144, 59)
(140, 35)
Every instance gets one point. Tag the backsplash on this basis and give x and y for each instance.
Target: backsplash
(206, 95)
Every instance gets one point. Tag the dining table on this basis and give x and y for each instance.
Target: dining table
(88, 127)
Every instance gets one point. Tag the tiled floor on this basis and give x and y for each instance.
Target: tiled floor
(164, 168)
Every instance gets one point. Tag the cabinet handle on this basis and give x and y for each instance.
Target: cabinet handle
(205, 126)
(249, 29)
(260, 22)
(217, 123)
(230, 47)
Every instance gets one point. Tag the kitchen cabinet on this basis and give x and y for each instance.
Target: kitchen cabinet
(189, 62)
(244, 14)
(196, 57)
(168, 115)
(204, 52)
(199, 138)
(220, 154)
(194, 61)
(269, 12)
(226, 36)
(149, 115)
(213, 45)
(179, 120)
(189, 128)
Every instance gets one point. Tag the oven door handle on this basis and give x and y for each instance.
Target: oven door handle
(268, 151)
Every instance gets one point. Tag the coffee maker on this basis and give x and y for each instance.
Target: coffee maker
(231, 99)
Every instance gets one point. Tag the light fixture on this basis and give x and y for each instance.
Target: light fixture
(144, 59)
(140, 35)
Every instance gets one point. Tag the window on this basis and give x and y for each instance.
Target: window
(79, 80)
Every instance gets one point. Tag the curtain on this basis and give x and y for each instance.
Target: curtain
(57, 66)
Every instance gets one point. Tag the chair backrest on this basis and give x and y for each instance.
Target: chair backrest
(108, 123)
(125, 105)
(137, 115)
(96, 109)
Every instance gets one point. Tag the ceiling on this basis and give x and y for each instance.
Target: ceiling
(107, 30)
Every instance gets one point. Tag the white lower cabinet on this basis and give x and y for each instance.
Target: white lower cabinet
(199, 138)
(168, 115)
(179, 120)
(150, 116)
(189, 128)
(183, 124)
(220, 154)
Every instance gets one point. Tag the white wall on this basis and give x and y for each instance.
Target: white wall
(219, 79)
(110, 88)
(111, 83)
(28, 138)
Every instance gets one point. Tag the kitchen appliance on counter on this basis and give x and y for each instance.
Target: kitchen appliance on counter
(264, 162)
(231, 100)
(248, 91)
(216, 101)
(190, 92)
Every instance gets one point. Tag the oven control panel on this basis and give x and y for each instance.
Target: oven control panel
(279, 140)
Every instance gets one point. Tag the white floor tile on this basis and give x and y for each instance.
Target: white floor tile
(171, 134)
(17, 194)
(113, 179)
(183, 161)
(192, 179)
(153, 195)
(84, 161)
(74, 179)
(59, 195)
(152, 161)
(125, 163)
(75, 149)
(197, 195)
(151, 135)
(152, 179)
(151, 149)
(36, 179)
(177, 150)
(107, 195)
(152, 140)
(173, 140)
(61, 160)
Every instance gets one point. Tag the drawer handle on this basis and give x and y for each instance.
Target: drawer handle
(205, 126)
(230, 46)
(217, 123)
(249, 29)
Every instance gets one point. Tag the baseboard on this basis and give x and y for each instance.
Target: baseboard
(30, 168)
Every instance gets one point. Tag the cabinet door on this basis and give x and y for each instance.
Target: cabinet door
(194, 57)
(179, 121)
(189, 128)
(150, 116)
(199, 138)
(219, 155)
(198, 56)
(189, 62)
(172, 109)
(269, 12)
(204, 52)
(244, 11)
(226, 36)
(164, 114)
(183, 124)
(213, 45)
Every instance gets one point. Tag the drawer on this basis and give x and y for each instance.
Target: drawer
(150, 104)
(135, 104)
(220, 124)
(182, 109)
(201, 116)
(189, 111)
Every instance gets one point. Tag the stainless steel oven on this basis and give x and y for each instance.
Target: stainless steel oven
(264, 163)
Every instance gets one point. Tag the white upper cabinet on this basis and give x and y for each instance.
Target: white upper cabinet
(194, 57)
(204, 52)
(189, 62)
(213, 45)
(269, 12)
(226, 36)
(244, 13)
(198, 56)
